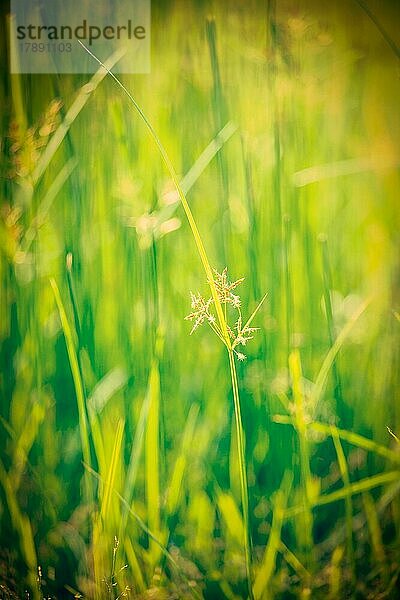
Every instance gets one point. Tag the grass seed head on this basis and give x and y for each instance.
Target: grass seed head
(202, 312)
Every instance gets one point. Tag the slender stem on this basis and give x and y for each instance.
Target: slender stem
(242, 472)
(217, 331)
(186, 207)
(221, 318)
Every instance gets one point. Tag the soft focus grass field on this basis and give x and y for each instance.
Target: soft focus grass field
(119, 470)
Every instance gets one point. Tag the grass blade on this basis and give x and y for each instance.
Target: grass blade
(177, 475)
(219, 114)
(152, 459)
(190, 178)
(294, 562)
(139, 521)
(327, 281)
(300, 424)
(267, 566)
(231, 516)
(24, 443)
(46, 204)
(109, 483)
(329, 359)
(348, 505)
(375, 533)
(74, 110)
(101, 533)
(364, 485)
(78, 385)
(335, 575)
(349, 436)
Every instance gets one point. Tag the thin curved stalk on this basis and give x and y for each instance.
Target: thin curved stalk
(221, 318)
(185, 204)
(242, 471)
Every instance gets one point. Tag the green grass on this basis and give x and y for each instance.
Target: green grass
(137, 459)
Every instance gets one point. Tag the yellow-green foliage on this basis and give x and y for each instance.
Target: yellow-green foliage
(140, 460)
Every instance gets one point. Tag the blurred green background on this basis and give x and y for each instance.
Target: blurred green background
(284, 116)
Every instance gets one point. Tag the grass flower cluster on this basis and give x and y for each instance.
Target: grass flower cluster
(202, 312)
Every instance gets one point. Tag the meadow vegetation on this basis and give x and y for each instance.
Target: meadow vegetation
(250, 184)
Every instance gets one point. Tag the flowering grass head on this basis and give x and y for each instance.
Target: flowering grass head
(202, 312)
